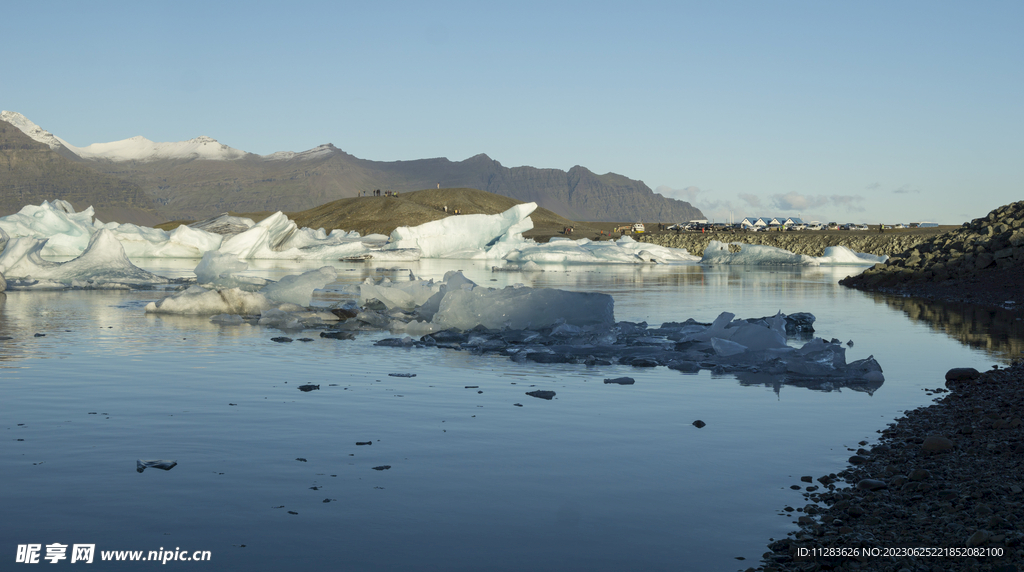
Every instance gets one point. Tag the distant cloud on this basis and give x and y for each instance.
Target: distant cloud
(848, 201)
(793, 201)
(906, 190)
(752, 200)
(874, 186)
(713, 206)
(689, 194)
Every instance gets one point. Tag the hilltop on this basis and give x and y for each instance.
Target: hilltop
(381, 215)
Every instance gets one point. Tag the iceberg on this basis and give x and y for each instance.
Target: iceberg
(454, 235)
(487, 237)
(741, 253)
(291, 294)
(103, 264)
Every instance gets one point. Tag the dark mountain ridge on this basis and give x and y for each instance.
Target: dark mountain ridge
(30, 172)
(199, 188)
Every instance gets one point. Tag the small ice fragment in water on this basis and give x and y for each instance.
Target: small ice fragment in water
(141, 465)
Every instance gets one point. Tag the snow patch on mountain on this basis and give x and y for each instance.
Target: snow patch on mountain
(133, 149)
(31, 129)
(314, 153)
(139, 148)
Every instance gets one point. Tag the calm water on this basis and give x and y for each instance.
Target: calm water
(603, 477)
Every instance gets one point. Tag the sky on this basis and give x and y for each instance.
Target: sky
(833, 111)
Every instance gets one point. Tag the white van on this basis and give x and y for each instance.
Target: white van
(638, 228)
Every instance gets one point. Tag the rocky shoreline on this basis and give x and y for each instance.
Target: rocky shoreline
(981, 262)
(811, 243)
(943, 489)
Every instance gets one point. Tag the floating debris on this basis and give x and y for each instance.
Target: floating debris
(402, 374)
(308, 387)
(141, 465)
(382, 468)
(542, 394)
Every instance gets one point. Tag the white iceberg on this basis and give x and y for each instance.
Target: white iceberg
(489, 237)
(290, 294)
(759, 254)
(102, 264)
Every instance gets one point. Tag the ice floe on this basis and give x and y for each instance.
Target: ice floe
(103, 264)
(759, 254)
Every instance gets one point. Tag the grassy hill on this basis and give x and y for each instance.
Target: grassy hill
(384, 214)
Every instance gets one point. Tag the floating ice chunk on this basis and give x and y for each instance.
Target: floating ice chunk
(299, 289)
(843, 255)
(282, 320)
(726, 348)
(719, 253)
(102, 262)
(449, 235)
(220, 269)
(201, 301)
(228, 320)
(522, 308)
(291, 293)
(403, 295)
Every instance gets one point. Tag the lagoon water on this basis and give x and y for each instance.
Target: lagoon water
(602, 477)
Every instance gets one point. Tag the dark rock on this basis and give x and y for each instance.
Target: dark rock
(281, 340)
(962, 374)
(871, 484)
(699, 424)
(161, 464)
(685, 366)
(364, 442)
(621, 380)
(542, 394)
(338, 335)
(308, 387)
(382, 468)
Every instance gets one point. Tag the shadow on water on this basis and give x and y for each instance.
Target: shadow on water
(997, 331)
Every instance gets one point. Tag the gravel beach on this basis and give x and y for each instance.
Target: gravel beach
(942, 489)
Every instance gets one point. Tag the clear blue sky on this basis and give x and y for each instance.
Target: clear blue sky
(847, 111)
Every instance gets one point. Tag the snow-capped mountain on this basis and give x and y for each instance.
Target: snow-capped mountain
(31, 129)
(139, 148)
(132, 149)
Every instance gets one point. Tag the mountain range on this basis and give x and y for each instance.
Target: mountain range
(142, 180)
